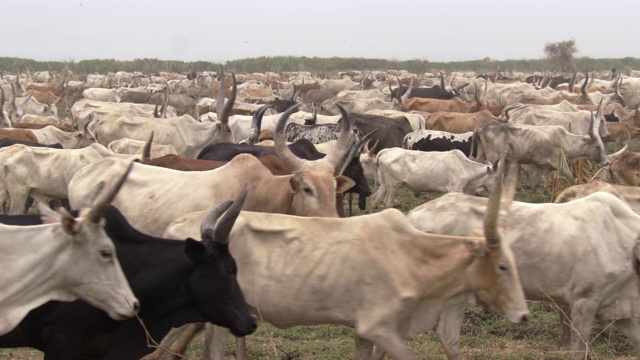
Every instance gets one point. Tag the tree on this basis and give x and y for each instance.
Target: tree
(561, 54)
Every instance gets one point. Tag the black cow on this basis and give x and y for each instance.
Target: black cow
(177, 282)
(434, 140)
(391, 130)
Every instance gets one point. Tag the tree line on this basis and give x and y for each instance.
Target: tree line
(315, 64)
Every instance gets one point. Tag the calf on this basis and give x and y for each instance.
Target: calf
(429, 171)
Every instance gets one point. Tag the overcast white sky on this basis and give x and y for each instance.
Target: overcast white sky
(190, 30)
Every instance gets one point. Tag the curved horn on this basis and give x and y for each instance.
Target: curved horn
(208, 225)
(404, 97)
(228, 106)
(225, 225)
(572, 82)
(146, 150)
(256, 124)
(288, 158)
(442, 89)
(106, 197)
(165, 103)
(354, 150)
(611, 157)
(342, 145)
(583, 89)
(491, 232)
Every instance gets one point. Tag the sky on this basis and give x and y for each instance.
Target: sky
(219, 31)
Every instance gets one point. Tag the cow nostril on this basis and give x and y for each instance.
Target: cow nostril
(525, 318)
(136, 306)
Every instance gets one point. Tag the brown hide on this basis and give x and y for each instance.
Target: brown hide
(459, 123)
(18, 134)
(625, 169)
(436, 105)
(177, 162)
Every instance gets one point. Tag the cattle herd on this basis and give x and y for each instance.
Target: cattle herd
(153, 242)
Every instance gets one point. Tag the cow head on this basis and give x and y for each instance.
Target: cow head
(353, 169)
(221, 300)
(494, 275)
(483, 181)
(93, 272)
(368, 161)
(313, 183)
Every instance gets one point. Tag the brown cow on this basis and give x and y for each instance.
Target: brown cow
(18, 134)
(459, 123)
(436, 105)
(177, 162)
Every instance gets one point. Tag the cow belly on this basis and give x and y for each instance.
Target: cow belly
(297, 286)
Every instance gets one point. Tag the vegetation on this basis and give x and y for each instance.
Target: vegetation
(315, 64)
(561, 54)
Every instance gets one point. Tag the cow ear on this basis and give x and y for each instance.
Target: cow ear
(194, 249)
(293, 185)
(343, 184)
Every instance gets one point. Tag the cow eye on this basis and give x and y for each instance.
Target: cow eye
(503, 267)
(307, 191)
(106, 254)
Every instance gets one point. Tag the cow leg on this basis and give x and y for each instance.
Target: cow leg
(350, 204)
(215, 342)
(241, 349)
(582, 317)
(390, 196)
(630, 329)
(382, 329)
(18, 200)
(565, 329)
(166, 343)
(364, 349)
(180, 346)
(448, 330)
(378, 195)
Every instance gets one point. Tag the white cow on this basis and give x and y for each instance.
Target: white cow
(65, 259)
(135, 147)
(106, 95)
(374, 273)
(42, 173)
(50, 135)
(583, 254)
(83, 111)
(429, 171)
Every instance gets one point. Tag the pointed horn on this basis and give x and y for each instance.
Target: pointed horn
(165, 103)
(442, 90)
(225, 225)
(491, 232)
(146, 150)
(256, 124)
(611, 157)
(221, 89)
(208, 225)
(342, 145)
(373, 148)
(572, 82)
(106, 197)
(583, 89)
(354, 151)
(592, 126)
(288, 158)
(404, 97)
(228, 106)
(26, 99)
